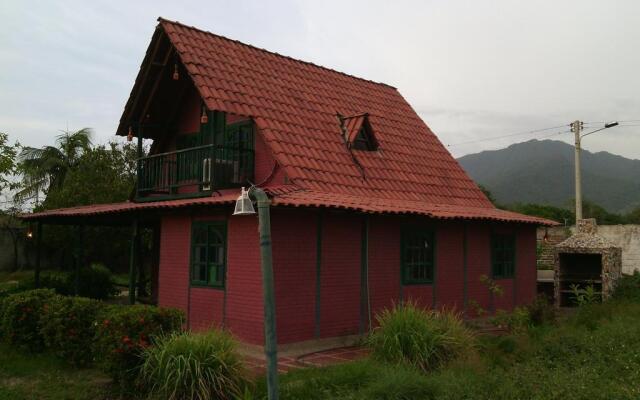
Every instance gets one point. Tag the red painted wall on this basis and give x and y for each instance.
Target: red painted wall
(384, 269)
(244, 310)
(450, 266)
(340, 275)
(294, 260)
(294, 238)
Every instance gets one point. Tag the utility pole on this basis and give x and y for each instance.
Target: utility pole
(576, 128)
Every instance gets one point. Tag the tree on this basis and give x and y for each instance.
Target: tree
(557, 214)
(103, 174)
(489, 195)
(46, 168)
(7, 160)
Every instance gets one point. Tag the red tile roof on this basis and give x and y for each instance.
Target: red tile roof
(295, 106)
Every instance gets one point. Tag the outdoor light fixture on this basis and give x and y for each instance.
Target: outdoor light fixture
(29, 234)
(130, 135)
(203, 118)
(244, 206)
(176, 75)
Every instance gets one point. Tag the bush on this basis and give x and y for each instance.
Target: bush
(68, 327)
(418, 337)
(541, 312)
(194, 366)
(122, 333)
(628, 288)
(21, 317)
(95, 282)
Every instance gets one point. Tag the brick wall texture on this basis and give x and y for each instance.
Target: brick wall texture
(341, 305)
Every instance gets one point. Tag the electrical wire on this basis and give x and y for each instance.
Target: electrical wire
(508, 135)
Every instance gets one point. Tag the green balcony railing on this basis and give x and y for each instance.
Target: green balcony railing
(200, 169)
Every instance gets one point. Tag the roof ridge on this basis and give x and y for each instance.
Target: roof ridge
(161, 19)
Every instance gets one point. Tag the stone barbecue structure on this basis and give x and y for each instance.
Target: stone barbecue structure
(585, 259)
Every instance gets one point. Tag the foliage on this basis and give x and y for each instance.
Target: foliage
(188, 365)
(494, 288)
(602, 216)
(628, 287)
(517, 321)
(557, 214)
(408, 334)
(95, 282)
(68, 327)
(46, 168)
(7, 160)
(562, 361)
(584, 296)
(124, 332)
(102, 174)
(21, 318)
(489, 195)
(541, 312)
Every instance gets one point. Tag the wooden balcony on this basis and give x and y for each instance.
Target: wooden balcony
(192, 172)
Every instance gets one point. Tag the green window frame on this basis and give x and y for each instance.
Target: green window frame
(503, 256)
(418, 256)
(208, 253)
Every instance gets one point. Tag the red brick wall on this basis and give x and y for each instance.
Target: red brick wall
(206, 308)
(173, 279)
(244, 316)
(340, 275)
(478, 264)
(294, 234)
(294, 255)
(384, 259)
(450, 266)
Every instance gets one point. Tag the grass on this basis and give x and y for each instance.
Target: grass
(595, 354)
(43, 376)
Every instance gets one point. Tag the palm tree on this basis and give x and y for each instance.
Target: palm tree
(45, 168)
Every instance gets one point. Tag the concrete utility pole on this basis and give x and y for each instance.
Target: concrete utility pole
(576, 128)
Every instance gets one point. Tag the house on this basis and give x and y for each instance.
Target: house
(367, 206)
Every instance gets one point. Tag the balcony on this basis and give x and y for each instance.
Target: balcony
(192, 172)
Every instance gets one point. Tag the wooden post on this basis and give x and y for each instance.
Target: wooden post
(79, 257)
(36, 278)
(132, 261)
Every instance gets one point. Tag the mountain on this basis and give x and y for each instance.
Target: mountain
(542, 172)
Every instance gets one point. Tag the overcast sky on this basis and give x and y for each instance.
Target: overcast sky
(472, 69)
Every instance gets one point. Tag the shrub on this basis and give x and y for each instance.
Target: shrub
(541, 312)
(21, 317)
(415, 336)
(517, 321)
(123, 332)
(628, 288)
(68, 328)
(95, 282)
(194, 366)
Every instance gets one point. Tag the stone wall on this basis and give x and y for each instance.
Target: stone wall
(625, 236)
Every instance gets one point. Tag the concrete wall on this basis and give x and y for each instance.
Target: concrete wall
(625, 236)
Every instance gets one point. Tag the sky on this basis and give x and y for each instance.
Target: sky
(473, 70)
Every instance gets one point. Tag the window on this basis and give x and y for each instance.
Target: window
(418, 249)
(208, 258)
(503, 256)
(364, 139)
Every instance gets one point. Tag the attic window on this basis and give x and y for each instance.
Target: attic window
(358, 133)
(363, 140)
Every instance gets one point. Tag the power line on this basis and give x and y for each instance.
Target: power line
(509, 135)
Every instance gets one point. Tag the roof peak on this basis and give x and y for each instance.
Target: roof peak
(161, 20)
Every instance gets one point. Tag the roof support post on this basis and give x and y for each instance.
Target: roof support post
(36, 278)
(271, 342)
(79, 258)
(133, 260)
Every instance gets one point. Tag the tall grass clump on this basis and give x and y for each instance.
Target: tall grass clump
(194, 366)
(425, 339)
